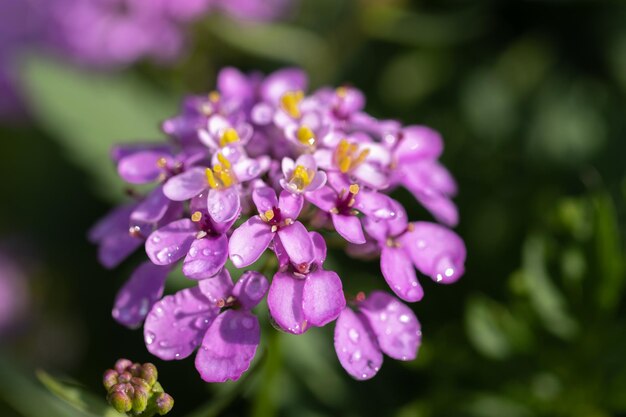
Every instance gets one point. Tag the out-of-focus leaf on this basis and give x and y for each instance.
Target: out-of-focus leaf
(524, 64)
(88, 113)
(29, 398)
(488, 405)
(545, 297)
(77, 396)
(493, 330)
(267, 396)
(277, 41)
(609, 253)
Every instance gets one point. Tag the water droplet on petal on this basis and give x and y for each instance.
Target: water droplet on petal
(193, 251)
(237, 260)
(156, 239)
(353, 334)
(149, 338)
(206, 252)
(404, 318)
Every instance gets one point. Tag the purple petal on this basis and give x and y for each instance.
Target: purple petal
(400, 274)
(284, 301)
(374, 204)
(394, 324)
(250, 289)
(217, 288)
(249, 241)
(186, 185)
(297, 242)
(170, 243)
(118, 152)
(141, 167)
(206, 257)
(371, 175)
(325, 198)
(349, 227)
(177, 323)
(319, 245)
(436, 251)
(114, 221)
(228, 346)
(281, 82)
(135, 298)
(264, 199)
(114, 248)
(290, 204)
(223, 205)
(233, 83)
(418, 142)
(322, 297)
(356, 347)
(152, 208)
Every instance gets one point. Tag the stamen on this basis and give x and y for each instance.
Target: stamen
(225, 162)
(229, 136)
(289, 103)
(161, 163)
(211, 178)
(341, 92)
(348, 157)
(354, 189)
(196, 217)
(214, 96)
(301, 177)
(306, 136)
(269, 215)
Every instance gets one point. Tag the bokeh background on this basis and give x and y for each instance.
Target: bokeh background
(530, 98)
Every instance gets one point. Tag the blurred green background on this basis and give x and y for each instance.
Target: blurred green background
(530, 98)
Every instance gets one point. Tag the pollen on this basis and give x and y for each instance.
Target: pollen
(269, 215)
(214, 96)
(301, 178)
(220, 176)
(348, 156)
(354, 189)
(342, 92)
(290, 101)
(306, 136)
(229, 136)
(161, 163)
(196, 217)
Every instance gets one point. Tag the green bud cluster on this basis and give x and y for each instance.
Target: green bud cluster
(132, 388)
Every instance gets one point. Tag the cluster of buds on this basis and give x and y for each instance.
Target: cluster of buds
(133, 388)
(259, 167)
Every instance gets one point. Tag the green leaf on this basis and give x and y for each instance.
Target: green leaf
(88, 113)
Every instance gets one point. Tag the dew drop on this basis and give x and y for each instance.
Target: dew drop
(206, 252)
(156, 239)
(193, 251)
(356, 356)
(149, 338)
(353, 334)
(383, 316)
(164, 344)
(237, 260)
(201, 322)
(404, 318)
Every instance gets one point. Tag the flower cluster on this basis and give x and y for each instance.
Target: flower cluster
(258, 166)
(133, 388)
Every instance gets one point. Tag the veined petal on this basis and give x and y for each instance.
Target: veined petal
(249, 241)
(400, 274)
(186, 185)
(250, 289)
(284, 301)
(141, 167)
(349, 227)
(228, 346)
(356, 347)
(152, 208)
(206, 257)
(323, 297)
(264, 199)
(177, 324)
(134, 300)
(170, 243)
(297, 243)
(394, 324)
(223, 205)
(290, 204)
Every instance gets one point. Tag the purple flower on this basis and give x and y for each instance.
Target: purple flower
(381, 324)
(302, 175)
(276, 219)
(215, 316)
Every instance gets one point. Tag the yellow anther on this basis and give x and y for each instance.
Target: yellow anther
(229, 136)
(211, 178)
(354, 189)
(342, 92)
(269, 215)
(306, 136)
(214, 96)
(223, 161)
(225, 178)
(162, 162)
(348, 157)
(301, 177)
(290, 101)
(196, 217)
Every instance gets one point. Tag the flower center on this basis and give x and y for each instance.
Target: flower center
(274, 218)
(220, 176)
(229, 136)
(345, 201)
(306, 136)
(348, 156)
(301, 178)
(203, 223)
(290, 101)
(167, 170)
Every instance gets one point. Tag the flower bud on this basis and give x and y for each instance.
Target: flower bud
(134, 369)
(120, 401)
(125, 377)
(140, 399)
(164, 403)
(109, 379)
(149, 373)
(122, 364)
